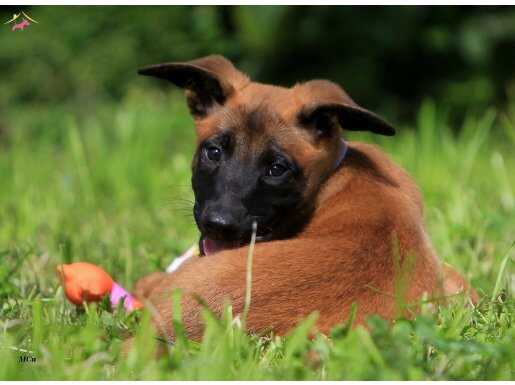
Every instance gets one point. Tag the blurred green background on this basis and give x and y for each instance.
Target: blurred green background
(95, 166)
(389, 58)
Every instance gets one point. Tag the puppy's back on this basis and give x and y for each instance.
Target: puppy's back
(386, 190)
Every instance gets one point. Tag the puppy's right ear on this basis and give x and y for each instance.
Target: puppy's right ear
(208, 81)
(327, 103)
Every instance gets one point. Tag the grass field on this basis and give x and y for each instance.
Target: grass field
(110, 184)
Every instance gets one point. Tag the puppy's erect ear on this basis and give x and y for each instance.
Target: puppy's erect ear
(326, 104)
(208, 81)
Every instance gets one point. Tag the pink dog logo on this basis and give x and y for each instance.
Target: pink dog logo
(22, 24)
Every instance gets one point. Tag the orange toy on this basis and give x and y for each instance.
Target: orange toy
(85, 282)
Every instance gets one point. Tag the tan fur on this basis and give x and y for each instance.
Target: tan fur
(366, 243)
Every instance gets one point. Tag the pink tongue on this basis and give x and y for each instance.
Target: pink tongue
(212, 246)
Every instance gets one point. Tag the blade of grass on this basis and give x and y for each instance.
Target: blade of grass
(248, 286)
(500, 275)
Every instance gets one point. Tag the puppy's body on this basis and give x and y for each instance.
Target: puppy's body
(344, 255)
(360, 238)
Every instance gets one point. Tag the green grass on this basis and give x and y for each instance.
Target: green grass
(110, 184)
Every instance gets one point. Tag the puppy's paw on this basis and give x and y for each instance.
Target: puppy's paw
(454, 284)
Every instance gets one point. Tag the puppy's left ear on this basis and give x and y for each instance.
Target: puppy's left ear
(208, 81)
(326, 104)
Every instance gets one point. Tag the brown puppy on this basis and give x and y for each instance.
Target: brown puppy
(337, 223)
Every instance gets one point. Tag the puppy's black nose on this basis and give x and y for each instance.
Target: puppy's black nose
(220, 226)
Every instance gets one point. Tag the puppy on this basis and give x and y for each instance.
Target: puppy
(337, 222)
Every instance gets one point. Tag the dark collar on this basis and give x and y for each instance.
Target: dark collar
(341, 155)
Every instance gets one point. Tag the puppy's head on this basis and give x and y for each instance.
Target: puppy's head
(263, 151)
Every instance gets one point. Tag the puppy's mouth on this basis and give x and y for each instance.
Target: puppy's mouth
(208, 246)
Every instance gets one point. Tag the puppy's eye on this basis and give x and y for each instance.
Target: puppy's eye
(276, 170)
(213, 153)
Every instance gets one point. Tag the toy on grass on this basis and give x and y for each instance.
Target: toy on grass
(85, 282)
